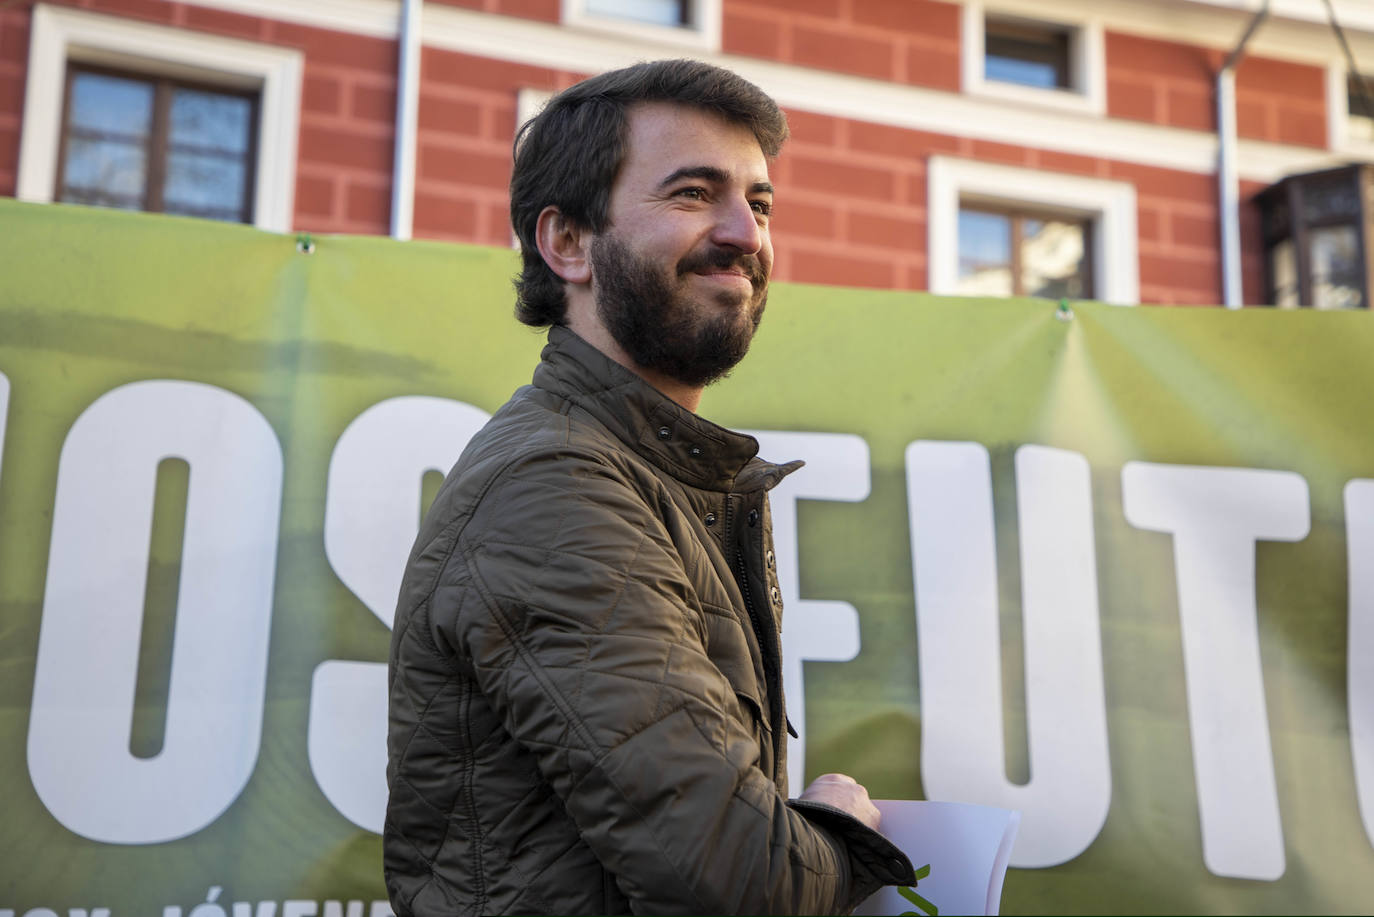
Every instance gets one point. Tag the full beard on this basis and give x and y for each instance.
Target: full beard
(656, 322)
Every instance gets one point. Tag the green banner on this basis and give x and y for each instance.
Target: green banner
(1107, 566)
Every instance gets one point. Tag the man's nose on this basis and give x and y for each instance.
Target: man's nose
(737, 226)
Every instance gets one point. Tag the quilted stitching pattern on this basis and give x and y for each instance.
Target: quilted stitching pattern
(568, 663)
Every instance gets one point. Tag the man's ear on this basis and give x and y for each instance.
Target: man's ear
(564, 245)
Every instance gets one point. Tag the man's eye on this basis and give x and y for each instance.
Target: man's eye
(762, 207)
(694, 194)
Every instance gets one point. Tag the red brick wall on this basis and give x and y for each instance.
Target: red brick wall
(903, 41)
(1161, 82)
(467, 122)
(1180, 237)
(1174, 84)
(344, 162)
(14, 55)
(543, 10)
(851, 205)
(1251, 244)
(1280, 101)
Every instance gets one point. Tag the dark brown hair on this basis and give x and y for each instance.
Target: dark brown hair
(568, 155)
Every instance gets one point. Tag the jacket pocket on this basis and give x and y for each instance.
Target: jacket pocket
(752, 712)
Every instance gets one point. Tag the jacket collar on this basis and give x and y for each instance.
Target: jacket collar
(661, 431)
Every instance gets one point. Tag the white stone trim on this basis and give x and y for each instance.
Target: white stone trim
(1339, 135)
(528, 103)
(1110, 204)
(59, 34)
(1087, 67)
(702, 36)
(372, 18)
(1352, 14)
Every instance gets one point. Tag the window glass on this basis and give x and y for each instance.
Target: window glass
(1284, 263)
(655, 12)
(105, 173)
(1053, 259)
(208, 139)
(984, 254)
(1031, 55)
(1008, 252)
(1336, 268)
(103, 104)
(1360, 106)
(148, 143)
(107, 138)
(204, 185)
(210, 120)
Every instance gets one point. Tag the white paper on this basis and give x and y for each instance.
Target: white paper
(967, 848)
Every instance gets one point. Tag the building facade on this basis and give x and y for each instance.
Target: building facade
(1061, 148)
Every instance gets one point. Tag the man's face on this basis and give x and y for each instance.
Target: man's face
(680, 275)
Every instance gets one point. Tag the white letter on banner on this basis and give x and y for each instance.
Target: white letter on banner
(87, 666)
(371, 518)
(837, 468)
(963, 758)
(1216, 515)
(1359, 525)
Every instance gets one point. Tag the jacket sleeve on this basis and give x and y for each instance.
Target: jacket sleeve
(582, 629)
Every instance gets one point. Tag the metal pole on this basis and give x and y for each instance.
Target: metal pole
(407, 111)
(1228, 184)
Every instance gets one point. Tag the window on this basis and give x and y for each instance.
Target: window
(1026, 53)
(130, 114)
(672, 13)
(149, 143)
(1010, 252)
(1009, 55)
(1314, 228)
(691, 23)
(1002, 231)
(1359, 106)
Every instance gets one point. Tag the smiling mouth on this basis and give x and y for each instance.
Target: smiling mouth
(727, 276)
(722, 266)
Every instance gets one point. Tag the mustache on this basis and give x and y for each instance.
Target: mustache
(724, 259)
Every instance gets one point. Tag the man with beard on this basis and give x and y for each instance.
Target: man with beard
(586, 705)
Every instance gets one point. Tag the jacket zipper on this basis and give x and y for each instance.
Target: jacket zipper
(766, 647)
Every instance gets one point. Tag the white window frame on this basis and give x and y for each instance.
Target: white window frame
(59, 35)
(1111, 205)
(528, 103)
(1087, 59)
(1339, 137)
(703, 35)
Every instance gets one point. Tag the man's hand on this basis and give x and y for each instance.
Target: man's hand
(844, 793)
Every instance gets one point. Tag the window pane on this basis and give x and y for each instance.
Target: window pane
(1284, 263)
(1336, 268)
(1026, 54)
(1053, 256)
(110, 105)
(984, 254)
(210, 120)
(1361, 107)
(200, 184)
(108, 173)
(657, 12)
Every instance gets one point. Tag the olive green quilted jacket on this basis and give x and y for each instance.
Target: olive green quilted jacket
(586, 705)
